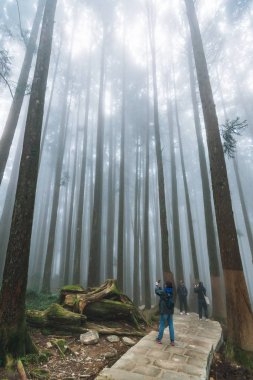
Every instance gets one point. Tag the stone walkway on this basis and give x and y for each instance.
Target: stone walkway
(189, 359)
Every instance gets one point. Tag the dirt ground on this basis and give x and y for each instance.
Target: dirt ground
(85, 362)
(79, 362)
(223, 369)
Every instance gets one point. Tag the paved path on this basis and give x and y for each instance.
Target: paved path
(189, 359)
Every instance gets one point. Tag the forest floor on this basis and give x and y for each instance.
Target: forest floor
(86, 361)
(81, 361)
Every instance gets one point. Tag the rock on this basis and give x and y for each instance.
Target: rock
(91, 337)
(49, 345)
(128, 341)
(112, 338)
(110, 354)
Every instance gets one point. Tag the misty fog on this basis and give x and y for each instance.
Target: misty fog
(97, 210)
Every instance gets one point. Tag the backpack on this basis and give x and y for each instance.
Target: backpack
(170, 303)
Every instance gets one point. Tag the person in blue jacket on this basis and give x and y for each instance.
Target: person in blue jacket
(166, 308)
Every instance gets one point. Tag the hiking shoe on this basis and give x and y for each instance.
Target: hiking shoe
(172, 343)
(158, 341)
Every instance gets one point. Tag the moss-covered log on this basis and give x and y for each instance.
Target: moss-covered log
(55, 317)
(78, 298)
(108, 310)
(105, 302)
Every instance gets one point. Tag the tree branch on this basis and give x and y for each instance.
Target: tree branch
(5, 80)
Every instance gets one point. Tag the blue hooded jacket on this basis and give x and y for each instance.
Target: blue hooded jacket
(166, 294)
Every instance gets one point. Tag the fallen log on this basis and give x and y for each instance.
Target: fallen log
(70, 322)
(55, 316)
(105, 302)
(78, 297)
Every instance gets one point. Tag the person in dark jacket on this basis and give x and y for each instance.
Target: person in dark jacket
(182, 295)
(166, 308)
(201, 292)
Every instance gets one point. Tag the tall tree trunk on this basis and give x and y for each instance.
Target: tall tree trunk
(146, 243)
(136, 270)
(111, 205)
(219, 309)
(174, 196)
(161, 185)
(239, 313)
(14, 339)
(96, 229)
(186, 191)
(121, 217)
(55, 202)
(58, 172)
(67, 277)
(80, 201)
(12, 120)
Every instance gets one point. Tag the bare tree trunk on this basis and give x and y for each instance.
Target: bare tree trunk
(56, 195)
(67, 277)
(161, 185)
(186, 191)
(58, 173)
(174, 197)
(80, 201)
(14, 339)
(239, 313)
(217, 283)
(111, 205)
(136, 270)
(121, 217)
(146, 244)
(95, 242)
